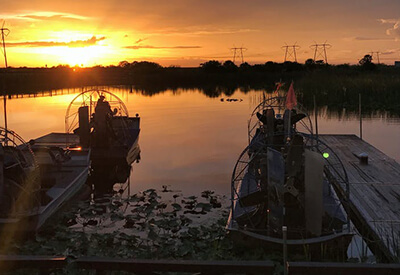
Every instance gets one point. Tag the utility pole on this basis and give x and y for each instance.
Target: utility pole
(4, 33)
(290, 51)
(238, 52)
(320, 51)
(377, 55)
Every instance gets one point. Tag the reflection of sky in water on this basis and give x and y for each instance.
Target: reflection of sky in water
(188, 141)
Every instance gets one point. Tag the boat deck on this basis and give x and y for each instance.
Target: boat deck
(58, 139)
(374, 193)
(61, 181)
(99, 155)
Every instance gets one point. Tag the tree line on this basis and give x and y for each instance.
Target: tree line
(336, 85)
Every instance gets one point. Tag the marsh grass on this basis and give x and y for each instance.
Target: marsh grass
(380, 91)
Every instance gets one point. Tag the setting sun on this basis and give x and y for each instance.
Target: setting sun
(82, 56)
(77, 56)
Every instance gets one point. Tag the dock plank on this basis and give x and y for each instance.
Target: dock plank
(374, 189)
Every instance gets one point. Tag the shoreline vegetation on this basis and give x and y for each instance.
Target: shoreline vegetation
(336, 86)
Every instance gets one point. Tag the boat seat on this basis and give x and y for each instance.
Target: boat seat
(294, 164)
(44, 198)
(48, 182)
(54, 192)
(251, 193)
(294, 159)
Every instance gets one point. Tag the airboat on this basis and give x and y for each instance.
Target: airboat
(36, 180)
(101, 122)
(287, 177)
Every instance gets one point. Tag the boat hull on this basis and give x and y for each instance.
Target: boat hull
(59, 183)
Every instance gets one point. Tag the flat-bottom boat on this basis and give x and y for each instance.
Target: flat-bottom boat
(285, 180)
(101, 121)
(37, 180)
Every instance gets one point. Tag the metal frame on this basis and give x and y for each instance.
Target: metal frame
(89, 98)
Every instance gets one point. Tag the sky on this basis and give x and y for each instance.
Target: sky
(187, 33)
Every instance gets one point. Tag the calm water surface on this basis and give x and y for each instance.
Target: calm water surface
(189, 141)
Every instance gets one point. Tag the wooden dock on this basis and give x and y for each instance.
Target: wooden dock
(374, 202)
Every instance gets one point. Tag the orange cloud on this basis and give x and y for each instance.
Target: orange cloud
(395, 29)
(361, 38)
(77, 43)
(391, 51)
(43, 16)
(138, 47)
(140, 40)
(201, 31)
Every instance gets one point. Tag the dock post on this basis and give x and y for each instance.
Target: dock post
(316, 118)
(284, 233)
(359, 113)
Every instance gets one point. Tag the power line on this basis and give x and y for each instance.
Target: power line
(320, 51)
(290, 51)
(238, 52)
(377, 56)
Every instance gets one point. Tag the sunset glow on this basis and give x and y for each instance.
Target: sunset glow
(187, 33)
(79, 56)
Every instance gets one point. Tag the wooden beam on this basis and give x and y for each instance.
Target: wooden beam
(209, 267)
(310, 268)
(13, 262)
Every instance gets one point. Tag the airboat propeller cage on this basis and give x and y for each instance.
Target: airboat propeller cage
(18, 167)
(277, 104)
(82, 107)
(282, 178)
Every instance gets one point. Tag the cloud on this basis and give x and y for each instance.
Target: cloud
(360, 38)
(389, 52)
(395, 29)
(140, 40)
(221, 31)
(138, 47)
(388, 21)
(44, 16)
(200, 31)
(76, 43)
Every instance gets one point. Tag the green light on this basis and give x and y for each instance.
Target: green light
(325, 155)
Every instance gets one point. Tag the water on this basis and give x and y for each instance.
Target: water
(189, 141)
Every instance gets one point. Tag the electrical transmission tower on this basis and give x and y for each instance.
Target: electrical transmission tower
(320, 51)
(238, 52)
(290, 51)
(4, 33)
(377, 56)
